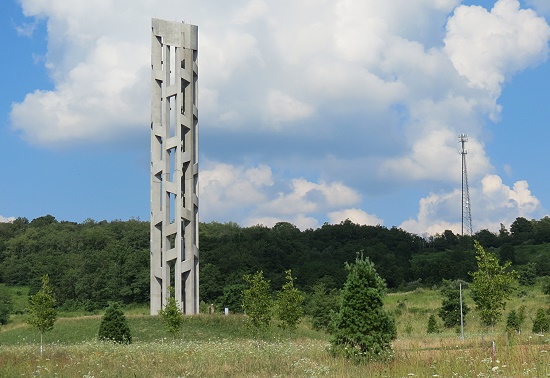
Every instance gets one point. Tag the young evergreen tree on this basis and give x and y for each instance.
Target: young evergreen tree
(363, 330)
(322, 306)
(512, 322)
(42, 311)
(546, 286)
(171, 315)
(6, 305)
(113, 326)
(289, 308)
(542, 322)
(257, 301)
(491, 285)
(432, 325)
(449, 311)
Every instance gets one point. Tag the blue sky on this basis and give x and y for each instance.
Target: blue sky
(309, 113)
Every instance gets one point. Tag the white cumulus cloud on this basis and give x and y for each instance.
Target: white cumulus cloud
(4, 219)
(349, 93)
(488, 47)
(357, 216)
(492, 203)
(230, 192)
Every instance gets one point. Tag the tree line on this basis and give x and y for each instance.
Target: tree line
(93, 263)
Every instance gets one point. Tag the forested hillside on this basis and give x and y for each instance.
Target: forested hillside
(92, 263)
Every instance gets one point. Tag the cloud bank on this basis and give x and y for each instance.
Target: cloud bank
(309, 110)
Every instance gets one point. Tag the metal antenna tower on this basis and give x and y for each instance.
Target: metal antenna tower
(466, 210)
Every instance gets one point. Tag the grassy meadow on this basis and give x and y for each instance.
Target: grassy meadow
(222, 346)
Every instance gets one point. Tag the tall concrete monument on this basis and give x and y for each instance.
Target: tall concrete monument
(174, 169)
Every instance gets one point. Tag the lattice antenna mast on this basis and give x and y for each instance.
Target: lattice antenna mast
(466, 210)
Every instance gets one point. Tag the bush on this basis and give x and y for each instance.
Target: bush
(542, 322)
(114, 326)
(257, 301)
(289, 304)
(171, 314)
(450, 306)
(546, 286)
(432, 325)
(512, 321)
(322, 306)
(6, 305)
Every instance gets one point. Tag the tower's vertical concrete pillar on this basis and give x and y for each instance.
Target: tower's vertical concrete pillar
(174, 169)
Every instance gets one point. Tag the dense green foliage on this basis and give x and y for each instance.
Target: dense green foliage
(546, 286)
(322, 306)
(42, 312)
(6, 305)
(513, 321)
(289, 304)
(541, 323)
(93, 263)
(257, 301)
(114, 326)
(491, 285)
(89, 264)
(171, 314)
(450, 306)
(432, 325)
(363, 330)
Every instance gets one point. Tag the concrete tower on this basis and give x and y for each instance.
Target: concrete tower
(174, 169)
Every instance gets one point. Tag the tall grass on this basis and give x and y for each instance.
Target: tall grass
(260, 358)
(222, 346)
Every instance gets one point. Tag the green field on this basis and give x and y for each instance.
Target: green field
(222, 346)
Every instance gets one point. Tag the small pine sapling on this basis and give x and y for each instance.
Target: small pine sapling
(512, 322)
(362, 329)
(171, 315)
(113, 326)
(541, 323)
(433, 327)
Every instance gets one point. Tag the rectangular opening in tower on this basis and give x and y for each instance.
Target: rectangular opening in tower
(172, 65)
(172, 275)
(172, 164)
(184, 283)
(182, 257)
(196, 282)
(159, 286)
(171, 207)
(173, 116)
(158, 146)
(184, 130)
(195, 224)
(170, 241)
(184, 84)
(195, 80)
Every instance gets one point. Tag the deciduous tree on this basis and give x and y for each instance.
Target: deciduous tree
(491, 285)
(289, 308)
(42, 311)
(257, 301)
